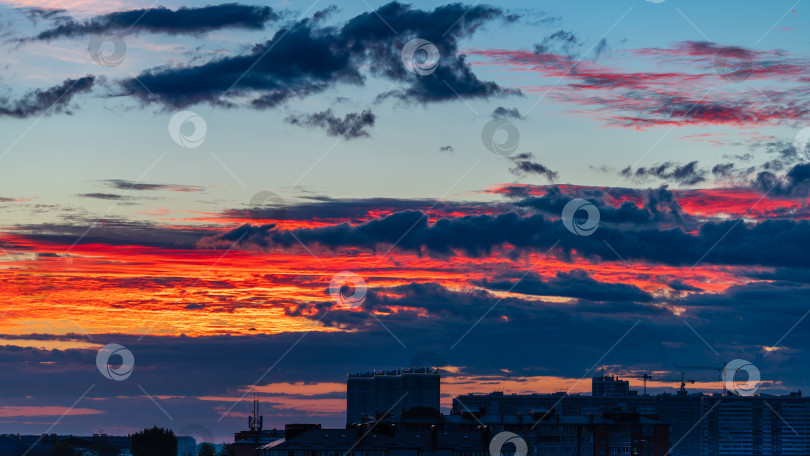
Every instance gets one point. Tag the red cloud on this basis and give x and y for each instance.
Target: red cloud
(691, 83)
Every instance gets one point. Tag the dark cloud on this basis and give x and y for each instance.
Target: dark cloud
(506, 113)
(53, 15)
(324, 13)
(564, 43)
(574, 284)
(723, 169)
(304, 58)
(688, 174)
(534, 17)
(104, 196)
(523, 165)
(657, 232)
(680, 285)
(796, 183)
(600, 48)
(351, 126)
(110, 231)
(122, 184)
(164, 20)
(561, 42)
(336, 210)
(299, 60)
(659, 207)
(799, 275)
(47, 101)
(113, 231)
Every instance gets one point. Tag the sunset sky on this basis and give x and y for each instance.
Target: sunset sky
(186, 179)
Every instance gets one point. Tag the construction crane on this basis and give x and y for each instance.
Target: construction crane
(714, 368)
(682, 381)
(644, 377)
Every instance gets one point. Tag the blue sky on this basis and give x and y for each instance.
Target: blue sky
(120, 139)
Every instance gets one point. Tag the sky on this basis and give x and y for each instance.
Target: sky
(206, 201)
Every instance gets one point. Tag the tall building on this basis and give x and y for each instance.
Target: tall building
(375, 393)
(610, 386)
(701, 424)
(762, 425)
(423, 432)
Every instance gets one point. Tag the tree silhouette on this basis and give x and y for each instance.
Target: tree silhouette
(154, 442)
(227, 450)
(206, 449)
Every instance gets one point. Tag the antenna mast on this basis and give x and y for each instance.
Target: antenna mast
(255, 422)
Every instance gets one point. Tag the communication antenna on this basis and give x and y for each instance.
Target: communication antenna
(255, 421)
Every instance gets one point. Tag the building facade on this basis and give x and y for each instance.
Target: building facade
(701, 424)
(610, 386)
(373, 394)
(425, 432)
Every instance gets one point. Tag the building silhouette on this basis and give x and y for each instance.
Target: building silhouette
(701, 424)
(424, 431)
(370, 395)
(609, 386)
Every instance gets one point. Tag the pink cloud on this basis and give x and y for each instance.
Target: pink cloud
(47, 410)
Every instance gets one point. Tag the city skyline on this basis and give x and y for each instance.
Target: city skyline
(206, 201)
(610, 406)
